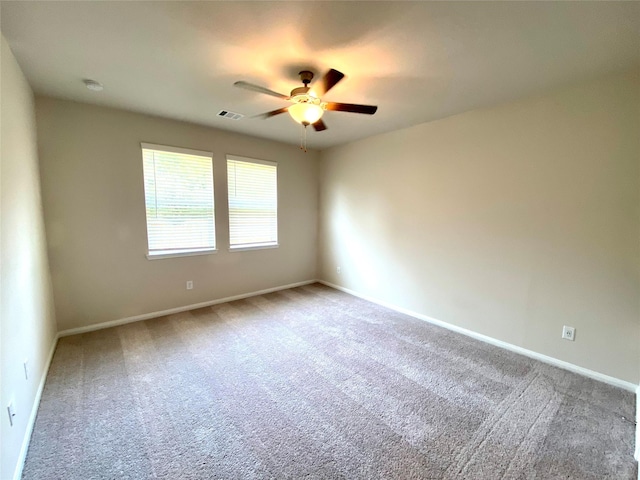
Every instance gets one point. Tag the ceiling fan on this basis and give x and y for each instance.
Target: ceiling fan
(308, 107)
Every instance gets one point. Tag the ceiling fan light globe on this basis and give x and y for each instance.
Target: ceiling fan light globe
(306, 113)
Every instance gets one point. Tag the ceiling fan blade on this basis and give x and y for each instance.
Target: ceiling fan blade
(327, 82)
(319, 126)
(271, 113)
(259, 89)
(352, 107)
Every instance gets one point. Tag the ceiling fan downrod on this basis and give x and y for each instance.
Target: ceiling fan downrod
(306, 76)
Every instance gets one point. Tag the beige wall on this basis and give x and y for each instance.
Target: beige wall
(27, 322)
(93, 195)
(511, 222)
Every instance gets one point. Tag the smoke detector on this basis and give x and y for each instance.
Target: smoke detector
(93, 85)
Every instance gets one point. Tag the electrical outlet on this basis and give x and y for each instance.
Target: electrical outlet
(190, 285)
(568, 333)
(26, 369)
(338, 270)
(11, 410)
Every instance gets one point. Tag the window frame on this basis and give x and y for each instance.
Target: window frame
(247, 247)
(186, 252)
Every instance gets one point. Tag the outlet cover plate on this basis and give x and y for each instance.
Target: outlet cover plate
(568, 333)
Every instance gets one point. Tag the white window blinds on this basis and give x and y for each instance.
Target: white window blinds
(178, 187)
(253, 202)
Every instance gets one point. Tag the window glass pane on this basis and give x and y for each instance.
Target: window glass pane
(253, 203)
(179, 199)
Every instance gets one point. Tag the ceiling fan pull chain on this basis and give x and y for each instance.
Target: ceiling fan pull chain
(303, 138)
(301, 147)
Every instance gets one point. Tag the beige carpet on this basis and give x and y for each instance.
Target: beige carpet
(313, 383)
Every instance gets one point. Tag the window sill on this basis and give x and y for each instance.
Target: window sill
(254, 247)
(179, 253)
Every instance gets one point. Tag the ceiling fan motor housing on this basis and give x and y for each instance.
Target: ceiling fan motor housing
(302, 95)
(300, 91)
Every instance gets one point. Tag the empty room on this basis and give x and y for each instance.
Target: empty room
(321, 240)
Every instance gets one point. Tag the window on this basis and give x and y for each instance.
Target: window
(178, 193)
(253, 203)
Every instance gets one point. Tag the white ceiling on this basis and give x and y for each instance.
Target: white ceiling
(418, 61)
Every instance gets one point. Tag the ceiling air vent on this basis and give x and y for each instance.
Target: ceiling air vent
(230, 115)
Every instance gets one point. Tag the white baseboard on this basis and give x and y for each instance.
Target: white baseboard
(147, 316)
(616, 382)
(636, 454)
(17, 474)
